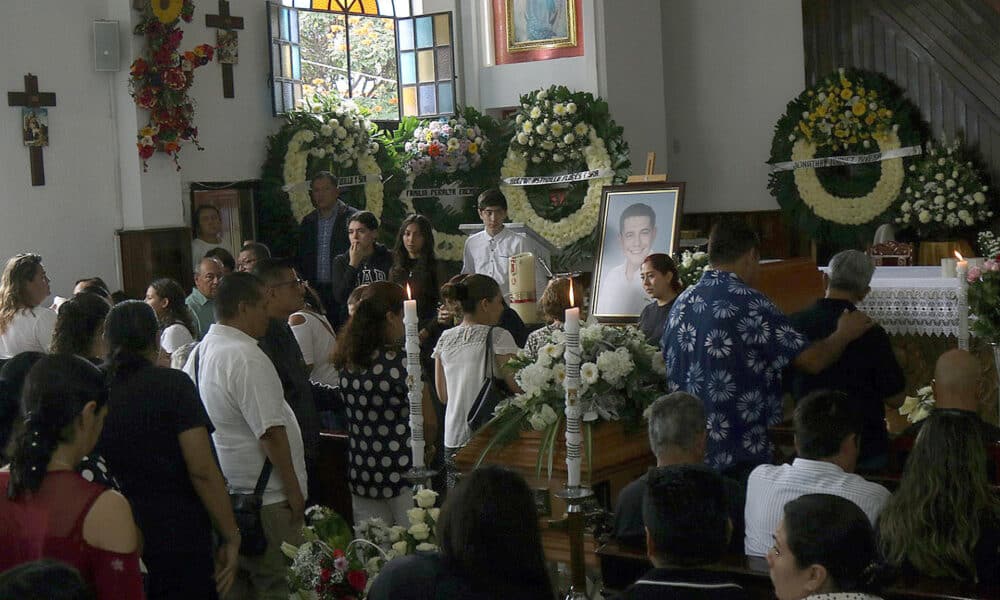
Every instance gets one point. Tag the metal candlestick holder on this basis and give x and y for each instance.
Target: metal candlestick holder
(575, 521)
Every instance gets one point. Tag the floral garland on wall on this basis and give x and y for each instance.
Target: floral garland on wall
(559, 131)
(459, 152)
(160, 79)
(848, 113)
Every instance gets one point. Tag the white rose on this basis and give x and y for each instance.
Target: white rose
(425, 498)
(541, 129)
(557, 157)
(952, 206)
(426, 547)
(571, 108)
(399, 548)
(939, 177)
(326, 130)
(416, 515)
(434, 513)
(420, 531)
(396, 533)
(941, 161)
(537, 422)
(924, 216)
(979, 197)
(939, 200)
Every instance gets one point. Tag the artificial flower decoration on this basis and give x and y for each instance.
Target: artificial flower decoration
(160, 79)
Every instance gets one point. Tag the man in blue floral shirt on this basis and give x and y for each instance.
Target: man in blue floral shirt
(726, 343)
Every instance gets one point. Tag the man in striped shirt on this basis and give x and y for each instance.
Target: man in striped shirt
(827, 433)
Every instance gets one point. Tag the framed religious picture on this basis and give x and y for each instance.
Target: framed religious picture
(530, 30)
(635, 220)
(35, 126)
(235, 202)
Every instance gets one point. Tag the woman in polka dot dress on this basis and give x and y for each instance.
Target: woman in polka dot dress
(373, 384)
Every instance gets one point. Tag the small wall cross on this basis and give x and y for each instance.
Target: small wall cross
(34, 123)
(227, 43)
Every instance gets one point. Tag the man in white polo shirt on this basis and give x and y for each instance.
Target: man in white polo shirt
(827, 429)
(244, 399)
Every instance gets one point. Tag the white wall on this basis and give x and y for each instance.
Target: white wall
(71, 220)
(630, 75)
(729, 69)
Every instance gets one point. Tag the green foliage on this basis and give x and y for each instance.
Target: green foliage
(984, 302)
(277, 226)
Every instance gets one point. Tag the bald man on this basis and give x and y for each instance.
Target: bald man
(957, 376)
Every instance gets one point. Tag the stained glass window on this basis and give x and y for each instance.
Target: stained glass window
(373, 51)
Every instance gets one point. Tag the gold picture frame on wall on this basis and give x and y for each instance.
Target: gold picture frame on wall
(530, 30)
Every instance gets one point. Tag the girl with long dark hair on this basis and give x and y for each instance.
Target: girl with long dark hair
(156, 441)
(176, 324)
(80, 327)
(491, 548)
(373, 385)
(46, 508)
(414, 263)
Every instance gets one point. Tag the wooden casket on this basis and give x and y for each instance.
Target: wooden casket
(620, 456)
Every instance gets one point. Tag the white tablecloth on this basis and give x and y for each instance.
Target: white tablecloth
(917, 300)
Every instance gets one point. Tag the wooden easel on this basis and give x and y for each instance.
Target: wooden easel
(649, 177)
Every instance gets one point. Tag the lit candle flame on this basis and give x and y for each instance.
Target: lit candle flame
(409, 292)
(958, 255)
(571, 302)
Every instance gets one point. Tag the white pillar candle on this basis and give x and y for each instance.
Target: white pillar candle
(414, 382)
(948, 267)
(962, 270)
(574, 437)
(523, 296)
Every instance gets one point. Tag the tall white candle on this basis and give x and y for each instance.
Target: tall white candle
(574, 437)
(414, 382)
(962, 270)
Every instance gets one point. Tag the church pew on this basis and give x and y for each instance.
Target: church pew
(620, 566)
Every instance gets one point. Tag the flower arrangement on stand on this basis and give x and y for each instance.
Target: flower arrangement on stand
(847, 113)
(559, 131)
(988, 243)
(620, 375)
(160, 79)
(458, 152)
(944, 192)
(333, 135)
(691, 266)
(919, 407)
(329, 565)
(984, 299)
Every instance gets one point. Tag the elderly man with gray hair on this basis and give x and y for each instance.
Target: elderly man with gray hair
(867, 371)
(677, 430)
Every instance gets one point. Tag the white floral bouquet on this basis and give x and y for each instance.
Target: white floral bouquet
(919, 407)
(944, 191)
(344, 133)
(550, 128)
(620, 375)
(691, 266)
(988, 244)
(445, 146)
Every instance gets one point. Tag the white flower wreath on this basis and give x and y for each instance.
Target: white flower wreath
(570, 229)
(850, 211)
(298, 187)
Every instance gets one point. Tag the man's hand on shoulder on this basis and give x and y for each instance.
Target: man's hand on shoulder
(853, 325)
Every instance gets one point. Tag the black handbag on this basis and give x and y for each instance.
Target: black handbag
(246, 507)
(493, 390)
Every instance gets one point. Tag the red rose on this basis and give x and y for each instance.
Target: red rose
(146, 98)
(175, 37)
(324, 575)
(145, 152)
(175, 79)
(338, 553)
(164, 57)
(357, 579)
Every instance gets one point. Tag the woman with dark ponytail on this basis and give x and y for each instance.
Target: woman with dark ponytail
(80, 327)
(460, 357)
(156, 441)
(373, 385)
(47, 510)
(176, 323)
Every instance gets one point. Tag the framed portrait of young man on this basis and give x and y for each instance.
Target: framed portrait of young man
(636, 220)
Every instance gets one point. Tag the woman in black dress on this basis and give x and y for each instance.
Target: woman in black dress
(662, 282)
(156, 441)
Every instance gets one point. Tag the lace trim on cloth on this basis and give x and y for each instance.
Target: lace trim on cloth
(462, 335)
(914, 310)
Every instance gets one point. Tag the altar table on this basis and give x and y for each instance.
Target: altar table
(917, 301)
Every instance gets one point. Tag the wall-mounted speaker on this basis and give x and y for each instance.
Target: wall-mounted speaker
(106, 53)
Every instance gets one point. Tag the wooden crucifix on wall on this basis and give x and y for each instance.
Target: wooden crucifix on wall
(227, 44)
(34, 123)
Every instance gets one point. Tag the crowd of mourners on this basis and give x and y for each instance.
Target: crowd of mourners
(125, 425)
